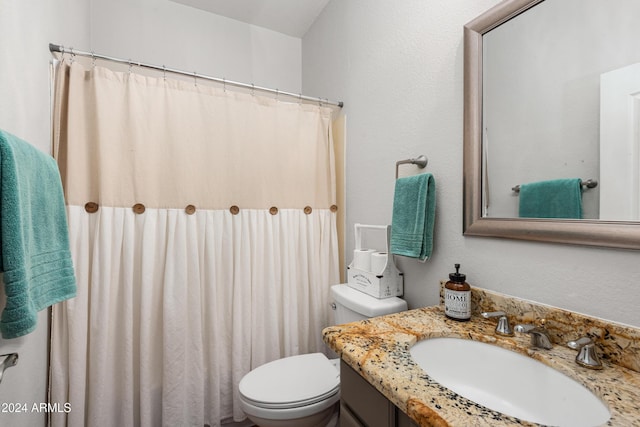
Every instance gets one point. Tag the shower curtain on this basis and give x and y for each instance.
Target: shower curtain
(203, 232)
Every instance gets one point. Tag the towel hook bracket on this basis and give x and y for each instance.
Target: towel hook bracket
(420, 161)
(9, 360)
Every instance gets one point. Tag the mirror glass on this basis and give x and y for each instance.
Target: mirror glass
(551, 101)
(561, 100)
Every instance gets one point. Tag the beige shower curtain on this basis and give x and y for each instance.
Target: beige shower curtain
(203, 230)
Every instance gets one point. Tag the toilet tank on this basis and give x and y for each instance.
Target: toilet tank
(350, 305)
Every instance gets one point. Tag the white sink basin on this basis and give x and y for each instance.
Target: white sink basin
(508, 382)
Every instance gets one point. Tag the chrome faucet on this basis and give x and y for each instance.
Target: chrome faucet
(587, 355)
(539, 336)
(503, 327)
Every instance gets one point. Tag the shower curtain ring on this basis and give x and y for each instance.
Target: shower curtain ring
(224, 85)
(164, 72)
(93, 60)
(195, 79)
(253, 88)
(130, 66)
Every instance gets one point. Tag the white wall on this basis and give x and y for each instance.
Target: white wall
(27, 28)
(398, 68)
(190, 39)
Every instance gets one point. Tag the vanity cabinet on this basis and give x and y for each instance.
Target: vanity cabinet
(361, 405)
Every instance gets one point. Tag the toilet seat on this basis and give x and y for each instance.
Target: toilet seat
(292, 382)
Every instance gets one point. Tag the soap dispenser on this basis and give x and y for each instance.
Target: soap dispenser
(457, 296)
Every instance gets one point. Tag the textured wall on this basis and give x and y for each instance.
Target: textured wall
(190, 39)
(398, 68)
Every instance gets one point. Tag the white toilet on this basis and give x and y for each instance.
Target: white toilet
(304, 390)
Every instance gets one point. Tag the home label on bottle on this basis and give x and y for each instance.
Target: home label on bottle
(457, 304)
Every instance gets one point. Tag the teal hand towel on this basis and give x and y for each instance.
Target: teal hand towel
(414, 209)
(557, 198)
(34, 239)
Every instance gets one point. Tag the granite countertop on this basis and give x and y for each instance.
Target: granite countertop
(378, 349)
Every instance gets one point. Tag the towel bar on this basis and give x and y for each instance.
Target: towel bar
(420, 161)
(590, 183)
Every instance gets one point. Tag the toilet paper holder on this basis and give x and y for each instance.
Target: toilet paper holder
(385, 284)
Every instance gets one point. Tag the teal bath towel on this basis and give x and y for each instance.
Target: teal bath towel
(34, 240)
(414, 209)
(558, 198)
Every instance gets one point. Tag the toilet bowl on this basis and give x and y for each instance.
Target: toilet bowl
(304, 390)
(297, 391)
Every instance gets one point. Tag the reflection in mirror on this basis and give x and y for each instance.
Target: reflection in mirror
(550, 90)
(560, 87)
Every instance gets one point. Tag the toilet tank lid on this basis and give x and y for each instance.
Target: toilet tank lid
(365, 304)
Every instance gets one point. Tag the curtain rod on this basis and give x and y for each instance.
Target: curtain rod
(61, 49)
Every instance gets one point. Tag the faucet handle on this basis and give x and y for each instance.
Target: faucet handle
(523, 327)
(539, 336)
(503, 328)
(587, 355)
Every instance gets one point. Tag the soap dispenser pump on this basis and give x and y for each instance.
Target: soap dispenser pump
(457, 296)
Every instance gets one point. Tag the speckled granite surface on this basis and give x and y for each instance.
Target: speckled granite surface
(618, 343)
(378, 349)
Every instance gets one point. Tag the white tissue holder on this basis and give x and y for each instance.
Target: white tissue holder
(389, 283)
